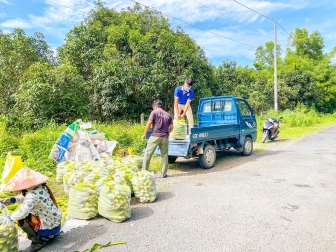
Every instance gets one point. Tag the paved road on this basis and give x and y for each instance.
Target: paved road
(282, 199)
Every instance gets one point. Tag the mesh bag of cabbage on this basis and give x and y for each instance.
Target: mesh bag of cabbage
(180, 130)
(63, 168)
(115, 202)
(134, 160)
(8, 233)
(144, 186)
(83, 200)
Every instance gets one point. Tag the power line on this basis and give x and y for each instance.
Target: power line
(263, 16)
(232, 19)
(254, 11)
(197, 26)
(285, 30)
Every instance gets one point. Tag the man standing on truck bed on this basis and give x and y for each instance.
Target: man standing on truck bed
(182, 99)
(162, 126)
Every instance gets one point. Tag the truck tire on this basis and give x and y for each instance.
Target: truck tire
(208, 158)
(247, 147)
(171, 159)
(264, 136)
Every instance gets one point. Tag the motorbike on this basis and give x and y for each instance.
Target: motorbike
(271, 129)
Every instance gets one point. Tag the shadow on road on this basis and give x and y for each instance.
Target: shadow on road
(225, 160)
(140, 212)
(282, 140)
(162, 196)
(71, 239)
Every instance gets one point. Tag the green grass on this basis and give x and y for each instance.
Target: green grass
(298, 123)
(257, 150)
(155, 164)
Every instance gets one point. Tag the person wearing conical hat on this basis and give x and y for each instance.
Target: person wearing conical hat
(38, 215)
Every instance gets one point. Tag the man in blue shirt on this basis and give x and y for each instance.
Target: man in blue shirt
(183, 96)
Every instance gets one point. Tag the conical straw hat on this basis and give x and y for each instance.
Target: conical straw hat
(24, 179)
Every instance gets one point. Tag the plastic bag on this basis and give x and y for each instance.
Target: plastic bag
(63, 141)
(105, 148)
(180, 130)
(8, 233)
(71, 129)
(83, 201)
(12, 165)
(83, 153)
(144, 186)
(115, 202)
(70, 154)
(57, 153)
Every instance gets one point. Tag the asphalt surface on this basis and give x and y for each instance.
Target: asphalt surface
(280, 199)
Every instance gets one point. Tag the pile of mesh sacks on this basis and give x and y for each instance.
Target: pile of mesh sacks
(96, 182)
(79, 142)
(105, 186)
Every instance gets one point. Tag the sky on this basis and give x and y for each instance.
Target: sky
(223, 28)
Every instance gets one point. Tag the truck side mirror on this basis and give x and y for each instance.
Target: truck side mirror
(253, 112)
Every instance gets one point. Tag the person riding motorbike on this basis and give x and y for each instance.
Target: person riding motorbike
(38, 215)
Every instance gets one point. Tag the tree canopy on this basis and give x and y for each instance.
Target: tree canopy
(114, 64)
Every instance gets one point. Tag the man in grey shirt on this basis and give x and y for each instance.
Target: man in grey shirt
(162, 126)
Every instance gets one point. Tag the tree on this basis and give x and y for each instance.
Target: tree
(226, 77)
(305, 45)
(17, 53)
(135, 58)
(264, 56)
(51, 93)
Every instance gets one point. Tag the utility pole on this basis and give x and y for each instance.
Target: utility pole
(275, 70)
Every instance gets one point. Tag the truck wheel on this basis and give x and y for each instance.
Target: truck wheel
(247, 147)
(208, 158)
(264, 136)
(171, 159)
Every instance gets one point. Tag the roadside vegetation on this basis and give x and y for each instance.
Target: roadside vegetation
(34, 147)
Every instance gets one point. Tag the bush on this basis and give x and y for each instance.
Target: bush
(35, 148)
(51, 93)
(125, 133)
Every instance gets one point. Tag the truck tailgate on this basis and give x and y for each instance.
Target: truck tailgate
(177, 148)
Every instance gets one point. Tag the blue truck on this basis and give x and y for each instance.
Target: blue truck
(224, 122)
